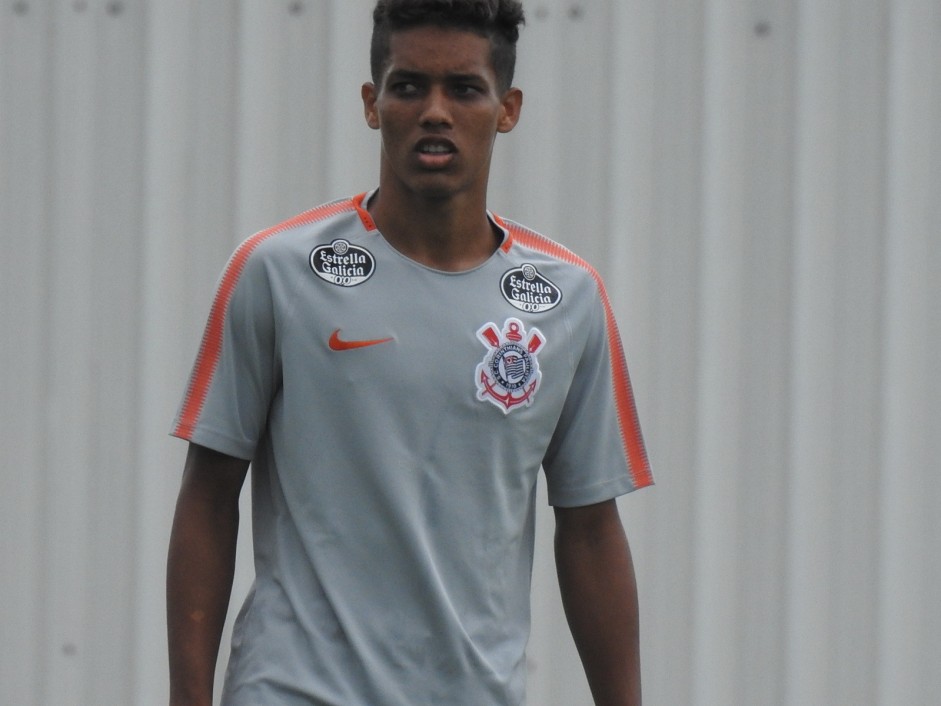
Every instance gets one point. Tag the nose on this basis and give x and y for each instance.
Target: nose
(436, 110)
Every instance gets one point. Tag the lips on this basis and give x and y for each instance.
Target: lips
(435, 152)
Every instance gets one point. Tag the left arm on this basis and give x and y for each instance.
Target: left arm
(599, 594)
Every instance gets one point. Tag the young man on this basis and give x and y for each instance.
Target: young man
(397, 367)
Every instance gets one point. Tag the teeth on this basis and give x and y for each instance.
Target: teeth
(435, 149)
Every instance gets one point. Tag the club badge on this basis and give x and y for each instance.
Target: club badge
(509, 375)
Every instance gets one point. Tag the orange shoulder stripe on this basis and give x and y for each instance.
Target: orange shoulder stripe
(211, 347)
(628, 421)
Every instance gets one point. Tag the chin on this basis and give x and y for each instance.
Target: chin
(437, 194)
(435, 189)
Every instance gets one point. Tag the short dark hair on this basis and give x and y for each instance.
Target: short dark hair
(497, 20)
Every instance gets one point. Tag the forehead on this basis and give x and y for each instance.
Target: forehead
(439, 51)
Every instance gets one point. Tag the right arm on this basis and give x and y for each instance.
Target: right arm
(200, 568)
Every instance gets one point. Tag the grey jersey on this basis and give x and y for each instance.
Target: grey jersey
(396, 418)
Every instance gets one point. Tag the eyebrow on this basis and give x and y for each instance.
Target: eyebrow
(418, 75)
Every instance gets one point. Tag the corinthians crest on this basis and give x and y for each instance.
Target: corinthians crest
(509, 375)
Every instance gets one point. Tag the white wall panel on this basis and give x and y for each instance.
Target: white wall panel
(24, 110)
(837, 328)
(910, 564)
(757, 181)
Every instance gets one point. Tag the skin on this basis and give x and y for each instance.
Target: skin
(599, 595)
(200, 568)
(438, 88)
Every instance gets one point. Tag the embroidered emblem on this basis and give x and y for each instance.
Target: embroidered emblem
(529, 291)
(509, 375)
(342, 263)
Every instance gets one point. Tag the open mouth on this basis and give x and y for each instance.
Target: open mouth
(435, 152)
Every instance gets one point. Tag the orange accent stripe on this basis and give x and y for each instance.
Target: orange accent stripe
(508, 243)
(210, 349)
(368, 223)
(628, 421)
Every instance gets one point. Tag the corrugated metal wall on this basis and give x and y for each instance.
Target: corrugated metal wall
(758, 180)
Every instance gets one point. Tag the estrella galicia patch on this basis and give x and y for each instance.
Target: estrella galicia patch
(526, 289)
(342, 263)
(509, 375)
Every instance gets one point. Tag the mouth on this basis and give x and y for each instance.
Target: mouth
(435, 152)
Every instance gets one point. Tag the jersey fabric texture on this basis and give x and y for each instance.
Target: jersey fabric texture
(396, 418)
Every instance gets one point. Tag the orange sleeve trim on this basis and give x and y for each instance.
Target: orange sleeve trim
(628, 421)
(210, 350)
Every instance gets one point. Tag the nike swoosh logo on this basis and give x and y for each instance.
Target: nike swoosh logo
(338, 344)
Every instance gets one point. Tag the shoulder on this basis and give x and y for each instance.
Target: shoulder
(307, 227)
(291, 240)
(561, 265)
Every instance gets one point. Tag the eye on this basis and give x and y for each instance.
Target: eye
(466, 90)
(404, 88)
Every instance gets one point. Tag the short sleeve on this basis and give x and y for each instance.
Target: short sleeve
(236, 371)
(597, 451)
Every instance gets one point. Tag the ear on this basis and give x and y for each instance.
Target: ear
(512, 103)
(370, 94)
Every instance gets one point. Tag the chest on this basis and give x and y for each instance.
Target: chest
(438, 342)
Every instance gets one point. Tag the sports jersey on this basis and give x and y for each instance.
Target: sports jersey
(397, 417)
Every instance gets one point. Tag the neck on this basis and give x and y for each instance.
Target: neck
(450, 234)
